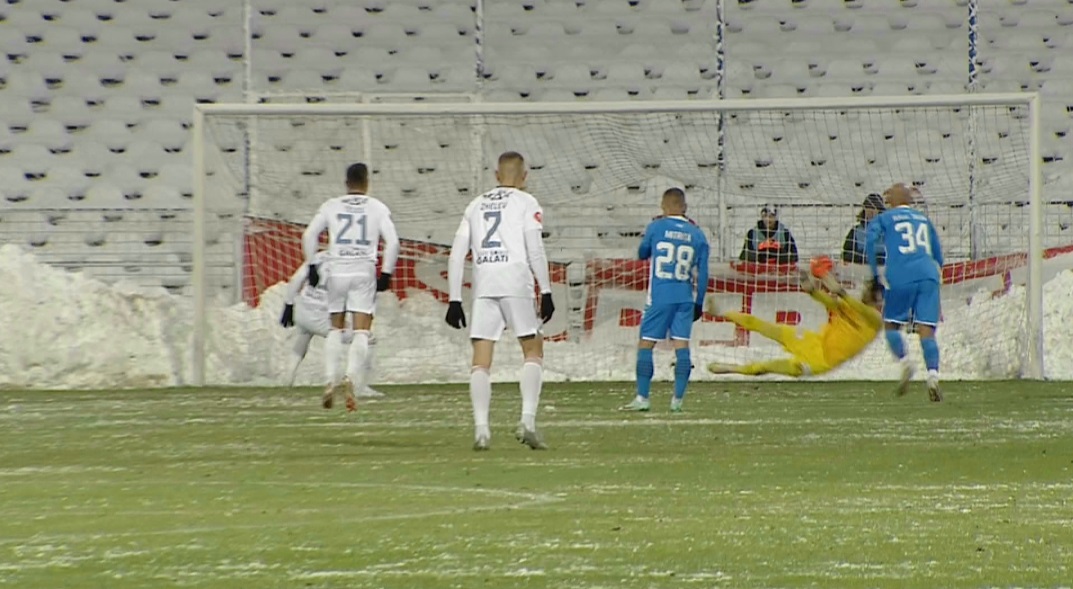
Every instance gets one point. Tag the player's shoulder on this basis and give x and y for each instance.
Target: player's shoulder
(330, 203)
(474, 204)
(525, 196)
(697, 231)
(374, 202)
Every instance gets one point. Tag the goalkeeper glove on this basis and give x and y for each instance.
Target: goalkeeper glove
(287, 319)
(456, 317)
(547, 307)
(313, 276)
(698, 311)
(383, 282)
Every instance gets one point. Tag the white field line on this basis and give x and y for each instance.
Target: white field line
(519, 500)
(955, 426)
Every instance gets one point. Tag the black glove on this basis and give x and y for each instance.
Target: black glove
(383, 282)
(547, 307)
(314, 276)
(698, 312)
(456, 317)
(287, 319)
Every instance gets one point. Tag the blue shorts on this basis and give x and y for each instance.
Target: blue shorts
(661, 321)
(916, 301)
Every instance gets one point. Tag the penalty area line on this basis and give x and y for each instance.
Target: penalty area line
(518, 500)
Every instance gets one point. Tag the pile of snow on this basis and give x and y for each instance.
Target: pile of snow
(66, 330)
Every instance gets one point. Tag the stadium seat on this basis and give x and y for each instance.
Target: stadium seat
(14, 187)
(47, 132)
(158, 195)
(125, 177)
(570, 76)
(335, 36)
(12, 41)
(69, 179)
(31, 158)
(179, 175)
(389, 35)
(15, 115)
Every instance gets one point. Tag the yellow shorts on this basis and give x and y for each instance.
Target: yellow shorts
(806, 347)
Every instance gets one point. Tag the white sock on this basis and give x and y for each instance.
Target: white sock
(355, 368)
(530, 384)
(933, 376)
(333, 350)
(298, 353)
(292, 368)
(369, 362)
(480, 394)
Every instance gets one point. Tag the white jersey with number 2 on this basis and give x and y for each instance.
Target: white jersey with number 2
(355, 224)
(496, 223)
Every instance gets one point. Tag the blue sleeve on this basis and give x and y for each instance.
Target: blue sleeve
(645, 250)
(702, 270)
(875, 233)
(936, 247)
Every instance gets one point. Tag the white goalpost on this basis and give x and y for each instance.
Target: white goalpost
(598, 169)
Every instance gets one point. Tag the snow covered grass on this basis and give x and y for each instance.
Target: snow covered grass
(756, 485)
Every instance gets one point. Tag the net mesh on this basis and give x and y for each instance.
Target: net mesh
(599, 177)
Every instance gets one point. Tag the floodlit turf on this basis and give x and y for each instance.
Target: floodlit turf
(765, 485)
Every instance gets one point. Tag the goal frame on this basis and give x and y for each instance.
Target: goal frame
(1032, 363)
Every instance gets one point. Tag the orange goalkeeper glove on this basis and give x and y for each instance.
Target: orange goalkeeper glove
(821, 266)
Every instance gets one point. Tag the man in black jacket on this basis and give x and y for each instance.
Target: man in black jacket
(769, 242)
(853, 247)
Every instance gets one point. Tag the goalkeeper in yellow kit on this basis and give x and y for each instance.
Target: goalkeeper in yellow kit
(853, 324)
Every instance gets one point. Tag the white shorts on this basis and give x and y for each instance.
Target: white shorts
(490, 316)
(352, 293)
(315, 321)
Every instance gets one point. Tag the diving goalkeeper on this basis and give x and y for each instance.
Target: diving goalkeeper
(853, 324)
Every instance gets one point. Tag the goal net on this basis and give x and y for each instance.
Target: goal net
(599, 171)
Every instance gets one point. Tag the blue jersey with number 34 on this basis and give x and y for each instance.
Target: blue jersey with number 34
(679, 268)
(914, 253)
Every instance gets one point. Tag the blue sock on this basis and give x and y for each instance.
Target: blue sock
(682, 367)
(896, 343)
(930, 347)
(645, 369)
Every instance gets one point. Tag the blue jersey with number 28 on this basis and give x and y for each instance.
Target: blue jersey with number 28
(679, 269)
(914, 253)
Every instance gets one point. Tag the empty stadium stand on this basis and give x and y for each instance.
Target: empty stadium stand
(96, 99)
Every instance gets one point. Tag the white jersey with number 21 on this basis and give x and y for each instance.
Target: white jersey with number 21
(355, 224)
(496, 223)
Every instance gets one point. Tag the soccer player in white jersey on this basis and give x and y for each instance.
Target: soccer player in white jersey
(355, 223)
(306, 307)
(503, 229)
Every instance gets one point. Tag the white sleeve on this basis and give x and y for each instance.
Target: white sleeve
(311, 237)
(456, 267)
(391, 243)
(295, 284)
(538, 259)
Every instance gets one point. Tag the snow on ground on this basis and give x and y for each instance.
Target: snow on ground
(65, 330)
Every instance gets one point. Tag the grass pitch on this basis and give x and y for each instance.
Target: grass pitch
(756, 485)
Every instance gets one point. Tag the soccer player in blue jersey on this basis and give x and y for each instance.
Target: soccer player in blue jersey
(678, 281)
(913, 275)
